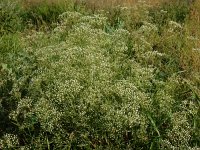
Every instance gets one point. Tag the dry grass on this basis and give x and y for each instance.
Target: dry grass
(30, 3)
(191, 58)
(94, 4)
(194, 19)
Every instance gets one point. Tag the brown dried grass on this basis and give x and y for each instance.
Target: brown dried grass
(97, 4)
(30, 3)
(190, 59)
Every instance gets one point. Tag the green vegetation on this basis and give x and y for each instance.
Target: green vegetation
(76, 78)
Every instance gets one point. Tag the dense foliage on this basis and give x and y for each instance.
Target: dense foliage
(109, 80)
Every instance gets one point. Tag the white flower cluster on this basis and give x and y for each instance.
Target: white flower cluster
(47, 114)
(148, 28)
(174, 26)
(87, 66)
(9, 141)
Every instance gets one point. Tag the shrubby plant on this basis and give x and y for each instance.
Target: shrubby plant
(91, 84)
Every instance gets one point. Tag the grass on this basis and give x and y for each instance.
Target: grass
(85, 75)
